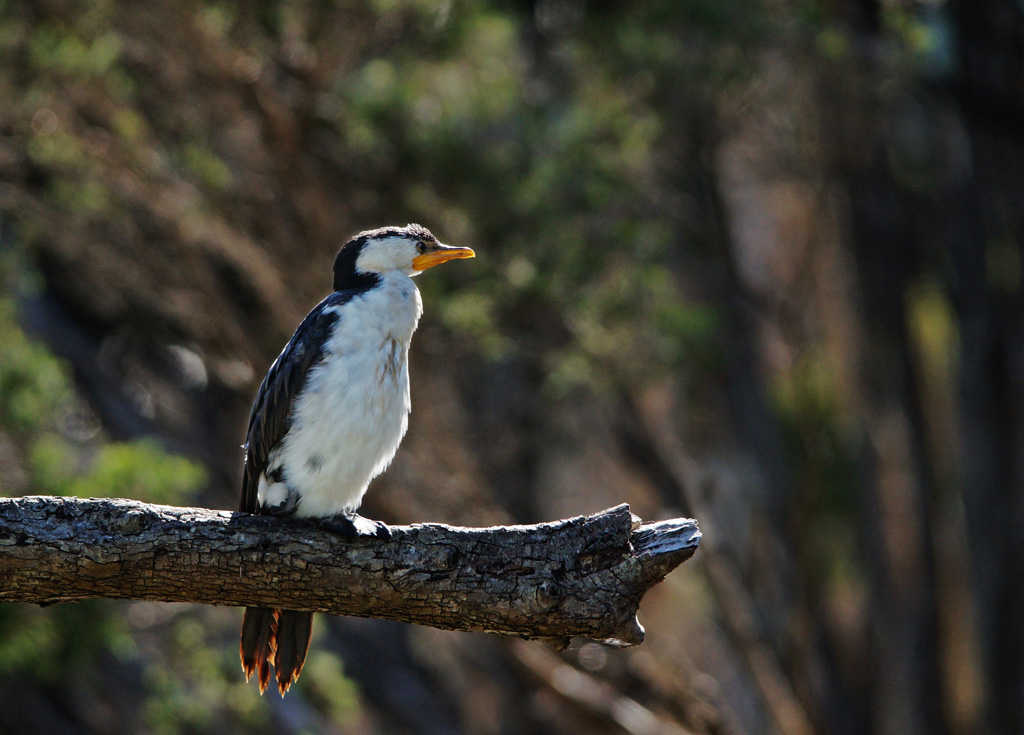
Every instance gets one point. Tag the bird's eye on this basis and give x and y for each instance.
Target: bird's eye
(420, 247)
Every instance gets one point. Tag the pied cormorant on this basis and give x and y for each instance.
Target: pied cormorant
(331, 412)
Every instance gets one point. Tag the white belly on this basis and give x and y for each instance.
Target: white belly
(353, 411)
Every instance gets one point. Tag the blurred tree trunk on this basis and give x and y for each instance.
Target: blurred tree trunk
(987, 288)
(897, 498)
(936, 199)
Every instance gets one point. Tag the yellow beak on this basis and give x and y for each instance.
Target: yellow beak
(436, 257)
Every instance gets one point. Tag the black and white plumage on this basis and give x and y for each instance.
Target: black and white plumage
(331, 412)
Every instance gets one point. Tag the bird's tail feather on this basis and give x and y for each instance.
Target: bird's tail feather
(281, 636)
(293, 632)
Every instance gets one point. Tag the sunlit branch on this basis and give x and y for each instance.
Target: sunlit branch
(583, 576)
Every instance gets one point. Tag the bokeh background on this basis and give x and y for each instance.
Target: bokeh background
(753, 261)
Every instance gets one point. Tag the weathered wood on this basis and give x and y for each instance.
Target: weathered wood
(583, 576)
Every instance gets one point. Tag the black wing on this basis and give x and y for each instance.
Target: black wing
(271, 410)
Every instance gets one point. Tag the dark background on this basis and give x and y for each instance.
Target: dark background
(756, 262)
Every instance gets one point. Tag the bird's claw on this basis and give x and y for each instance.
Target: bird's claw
(353, 525)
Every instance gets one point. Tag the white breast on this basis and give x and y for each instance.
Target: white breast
(349, 418)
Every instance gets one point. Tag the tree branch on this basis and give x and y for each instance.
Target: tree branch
(583, 576)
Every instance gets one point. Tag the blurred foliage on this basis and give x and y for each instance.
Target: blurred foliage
(140, 470)
(44, 644)
(573, 157)
(33, 385)
(194, 686)
(41, 423)
(37, 403)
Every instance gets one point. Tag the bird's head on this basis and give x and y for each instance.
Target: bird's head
(375, 253)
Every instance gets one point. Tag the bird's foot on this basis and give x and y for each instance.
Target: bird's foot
(353, 525)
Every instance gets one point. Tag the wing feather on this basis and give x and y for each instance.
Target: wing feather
(271, 411)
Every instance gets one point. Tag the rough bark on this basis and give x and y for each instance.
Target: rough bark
(583, 576)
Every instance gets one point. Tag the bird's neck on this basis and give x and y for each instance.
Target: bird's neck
(353, 280)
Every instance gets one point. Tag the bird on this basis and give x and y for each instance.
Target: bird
(330, 414)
